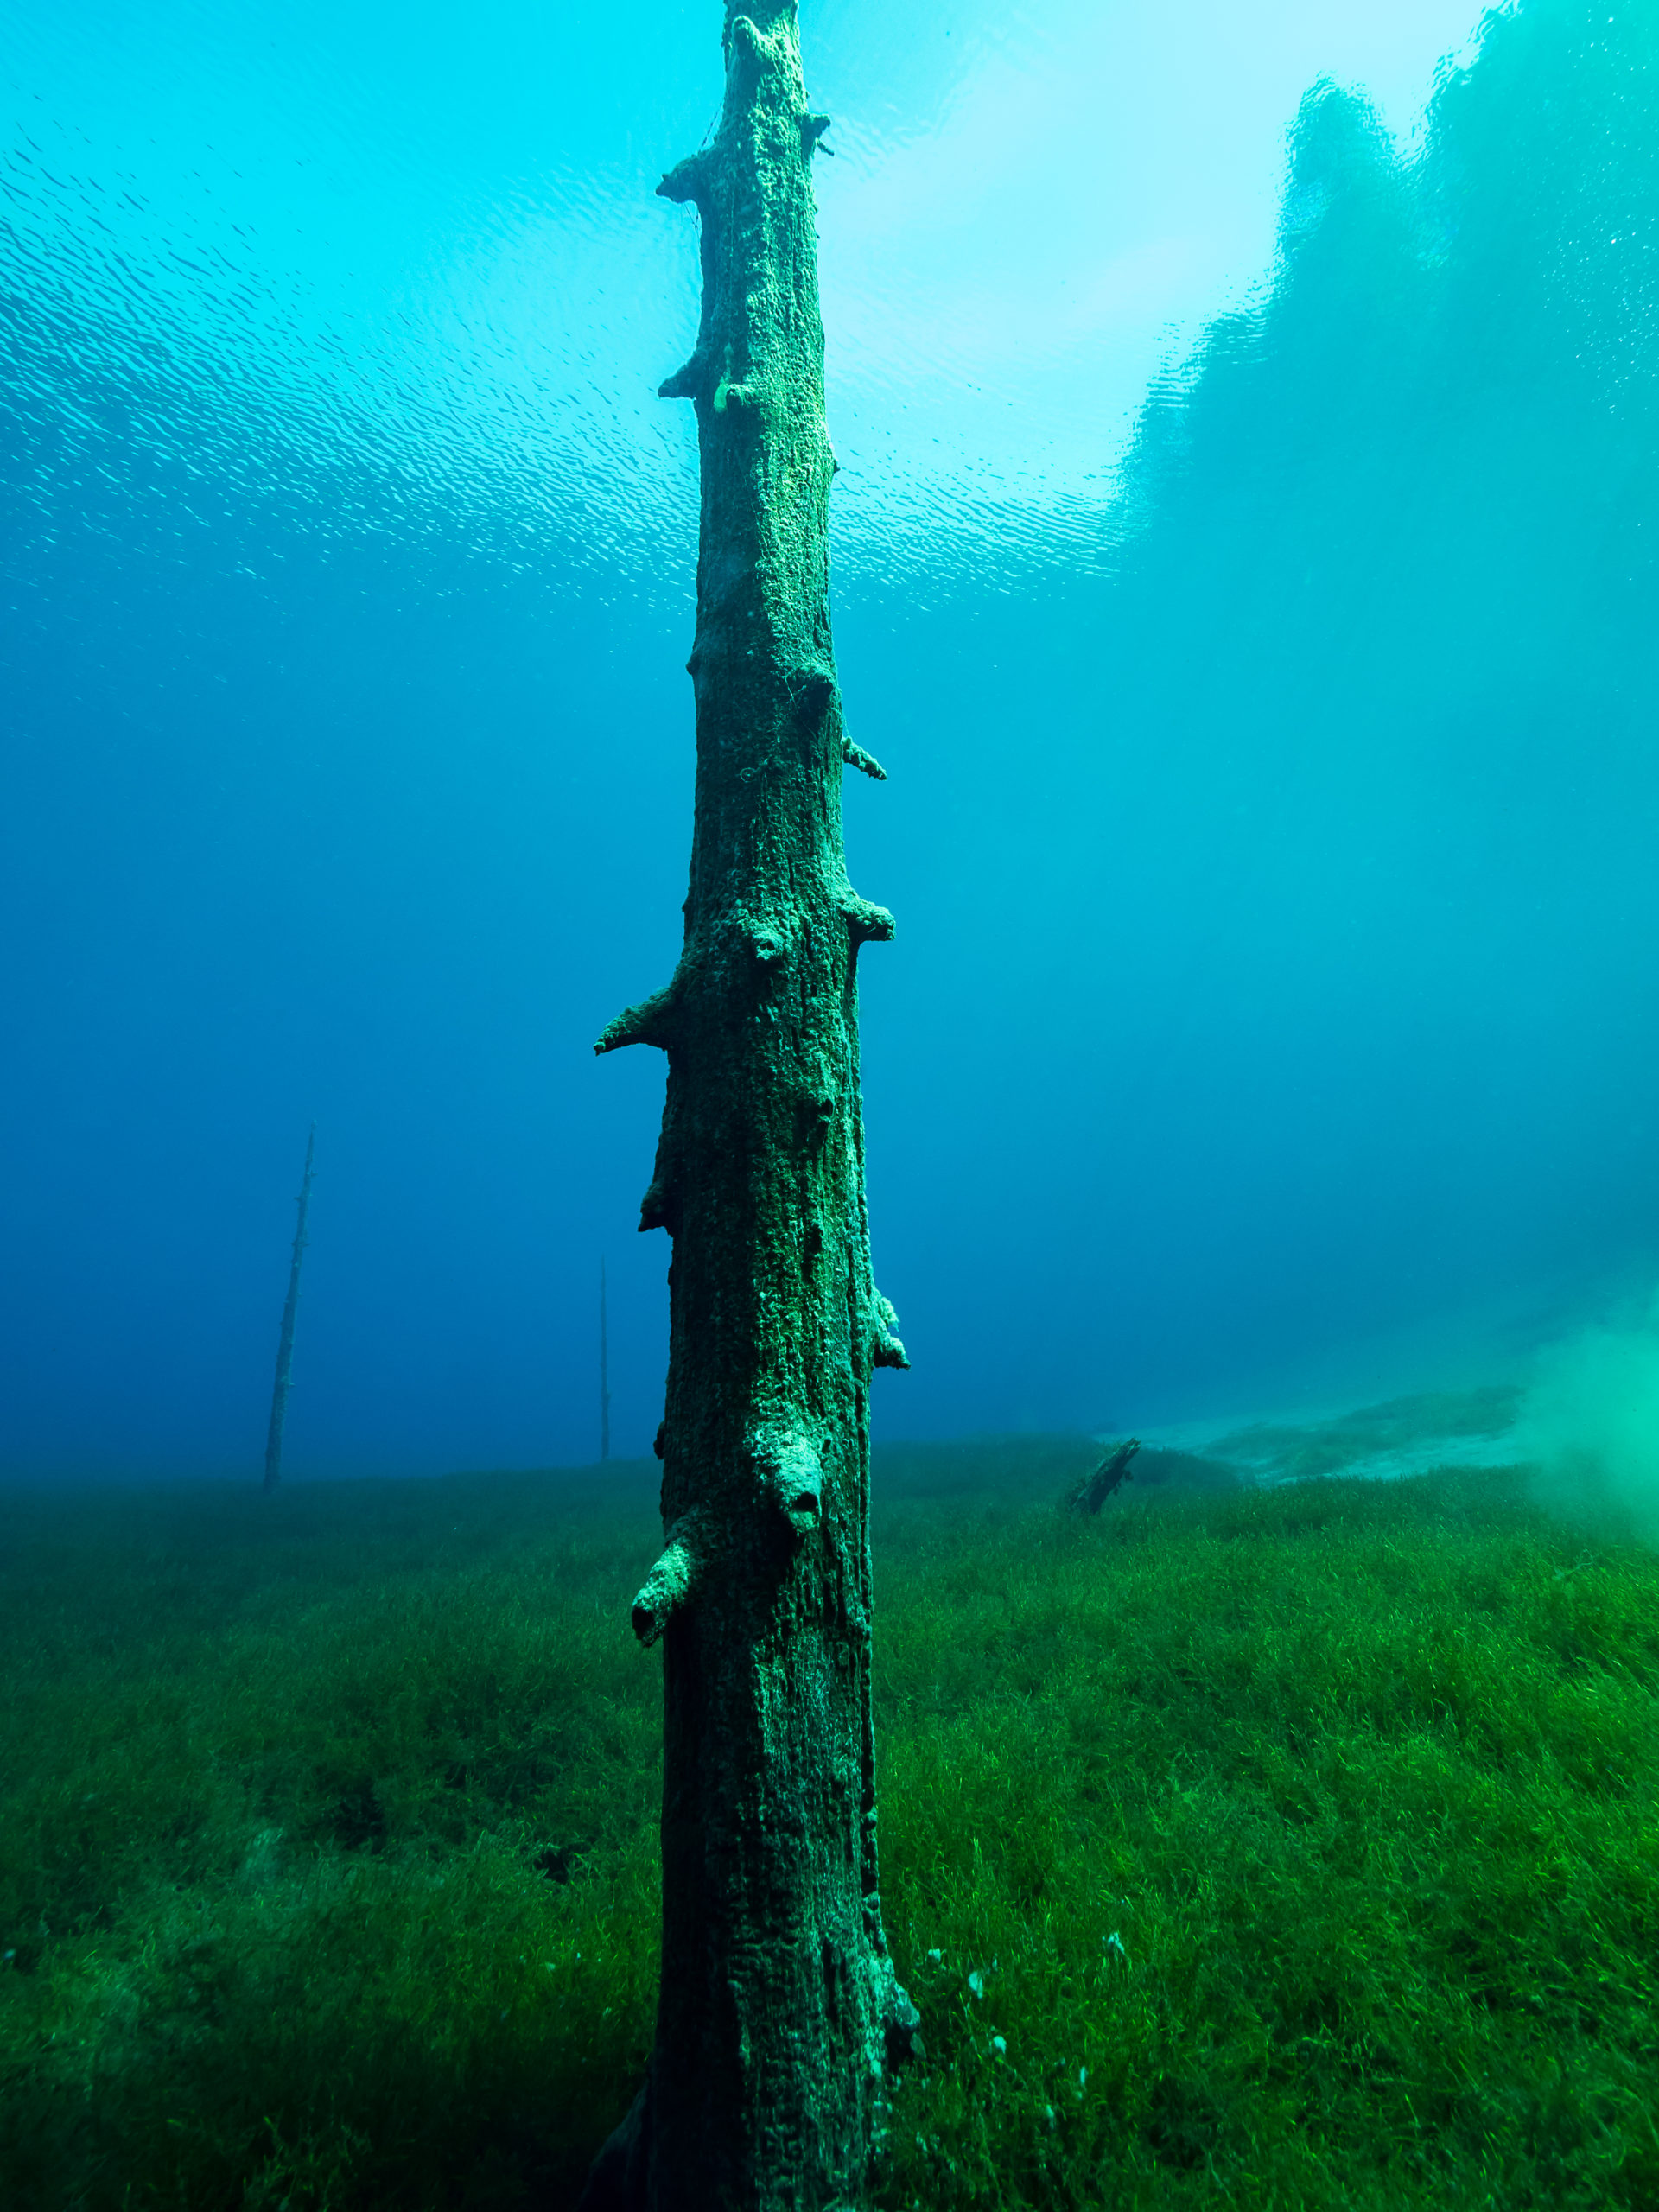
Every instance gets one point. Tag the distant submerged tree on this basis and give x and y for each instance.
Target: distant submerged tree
(1105, 1480)
(604, 1373)
(285, 1339)
(779, 2014)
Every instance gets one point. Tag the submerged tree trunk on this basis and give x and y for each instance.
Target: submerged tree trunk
(285, 1342)
(1092, 1492)
(780, 2010)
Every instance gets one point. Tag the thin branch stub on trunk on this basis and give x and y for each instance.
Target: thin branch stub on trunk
(671, 1582)
(651, 1022)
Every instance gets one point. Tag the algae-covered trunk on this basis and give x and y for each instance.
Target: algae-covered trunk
(778, 2009)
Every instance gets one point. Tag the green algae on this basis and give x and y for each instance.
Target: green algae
(327, 1856)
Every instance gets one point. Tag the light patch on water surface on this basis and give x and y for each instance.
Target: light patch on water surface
(407, 276)
(1004, 277)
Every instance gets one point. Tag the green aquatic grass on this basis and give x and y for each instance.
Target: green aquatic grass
(1296, 1848)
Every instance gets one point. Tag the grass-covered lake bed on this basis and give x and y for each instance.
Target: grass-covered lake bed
(1254, 1844)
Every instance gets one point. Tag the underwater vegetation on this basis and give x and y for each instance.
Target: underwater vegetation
(1288, 1846)
(1276, 1837)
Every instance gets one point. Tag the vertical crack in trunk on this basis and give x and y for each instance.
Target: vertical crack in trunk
(780, 2011)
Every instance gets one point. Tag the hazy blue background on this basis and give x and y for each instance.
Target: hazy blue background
(1245, 572)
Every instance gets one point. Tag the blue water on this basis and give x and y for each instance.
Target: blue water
(1268, 697)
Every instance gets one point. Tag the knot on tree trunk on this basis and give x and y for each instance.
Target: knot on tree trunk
(888, 1350)
(651, 1022)
(868, 922)
(789, 1472)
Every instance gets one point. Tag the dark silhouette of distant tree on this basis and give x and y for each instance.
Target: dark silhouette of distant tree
(284, 1381)
(604, 1373)
(1103, 1481)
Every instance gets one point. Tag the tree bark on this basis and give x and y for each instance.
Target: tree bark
(1092, 1492)
(284, 1382)
(779, 2012)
